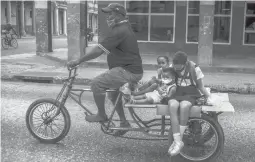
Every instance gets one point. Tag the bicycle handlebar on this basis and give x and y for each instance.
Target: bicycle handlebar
(71, 68)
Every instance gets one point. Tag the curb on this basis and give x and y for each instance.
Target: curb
(214, 69)
(241, 89)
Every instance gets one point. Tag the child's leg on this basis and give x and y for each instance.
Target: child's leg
(140, 97)
(184, 115)
(173, 108)
(146, 90)
(147, 100)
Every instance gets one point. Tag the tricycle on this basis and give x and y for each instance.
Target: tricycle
(203, 139)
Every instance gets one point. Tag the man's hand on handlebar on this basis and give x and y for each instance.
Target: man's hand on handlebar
(73, 63)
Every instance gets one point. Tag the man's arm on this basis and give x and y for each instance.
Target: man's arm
(201, 87)
(95, 52)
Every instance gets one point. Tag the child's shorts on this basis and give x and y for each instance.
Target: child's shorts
(155, 96)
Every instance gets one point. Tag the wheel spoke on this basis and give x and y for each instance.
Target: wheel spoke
(196, 148)
(54, 129)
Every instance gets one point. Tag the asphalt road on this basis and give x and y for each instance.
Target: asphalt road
(86, 142)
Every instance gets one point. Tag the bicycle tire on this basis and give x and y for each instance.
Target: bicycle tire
(5, 44)
(63, 110)
(210, 133)
(220, 143)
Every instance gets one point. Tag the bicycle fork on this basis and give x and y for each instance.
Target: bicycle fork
(62, 97)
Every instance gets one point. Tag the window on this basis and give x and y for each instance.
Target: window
(5, 11)
(152, 21)
(222, 22)
(249, 25)
(192, 28)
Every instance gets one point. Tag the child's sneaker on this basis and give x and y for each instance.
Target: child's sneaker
(171, 147)
(178, 145)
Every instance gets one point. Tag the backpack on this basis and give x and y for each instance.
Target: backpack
(190, 69)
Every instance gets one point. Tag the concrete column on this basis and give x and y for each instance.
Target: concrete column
(22, 19)
(9, 13)
(33, 19)
(52, 27)
(18, 18)
(205, 43)
(76, 29)
(43, 30)
(56, 32)
(64, 22)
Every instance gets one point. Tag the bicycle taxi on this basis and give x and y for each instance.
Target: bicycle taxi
(203, 139)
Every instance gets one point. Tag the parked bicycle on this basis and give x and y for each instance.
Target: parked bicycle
(48, 120)
(8, 40)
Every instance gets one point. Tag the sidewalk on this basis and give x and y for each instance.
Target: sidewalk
(220, 65)
(29, 67)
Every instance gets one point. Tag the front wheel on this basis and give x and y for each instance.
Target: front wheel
(196, 149)
(39, 125)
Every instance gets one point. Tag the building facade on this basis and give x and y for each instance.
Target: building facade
(24, 21)
(169, 26)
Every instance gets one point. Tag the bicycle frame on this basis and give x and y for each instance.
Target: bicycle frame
(143, 126)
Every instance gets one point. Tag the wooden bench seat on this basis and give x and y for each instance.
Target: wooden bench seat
(221, 104)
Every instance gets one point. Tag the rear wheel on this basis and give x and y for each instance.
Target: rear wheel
(196, 149)
(39, 125)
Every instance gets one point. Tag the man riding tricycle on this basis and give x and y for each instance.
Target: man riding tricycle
(193, 130)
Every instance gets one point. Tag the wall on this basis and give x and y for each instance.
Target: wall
(156, 48)
(236, 47)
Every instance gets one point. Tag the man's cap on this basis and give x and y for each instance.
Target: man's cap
(116, 7)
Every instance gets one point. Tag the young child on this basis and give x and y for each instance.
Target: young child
(190, 86)
(165, 88)
(163, 62)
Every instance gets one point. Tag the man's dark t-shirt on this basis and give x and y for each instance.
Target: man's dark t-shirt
(122, 49)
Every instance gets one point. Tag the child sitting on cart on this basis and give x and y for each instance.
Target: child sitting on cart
(151, 85)
(165, 87)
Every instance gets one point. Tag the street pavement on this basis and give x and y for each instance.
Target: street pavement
(85, 141)
(227, 75)
(28, 46)
(22, 67)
